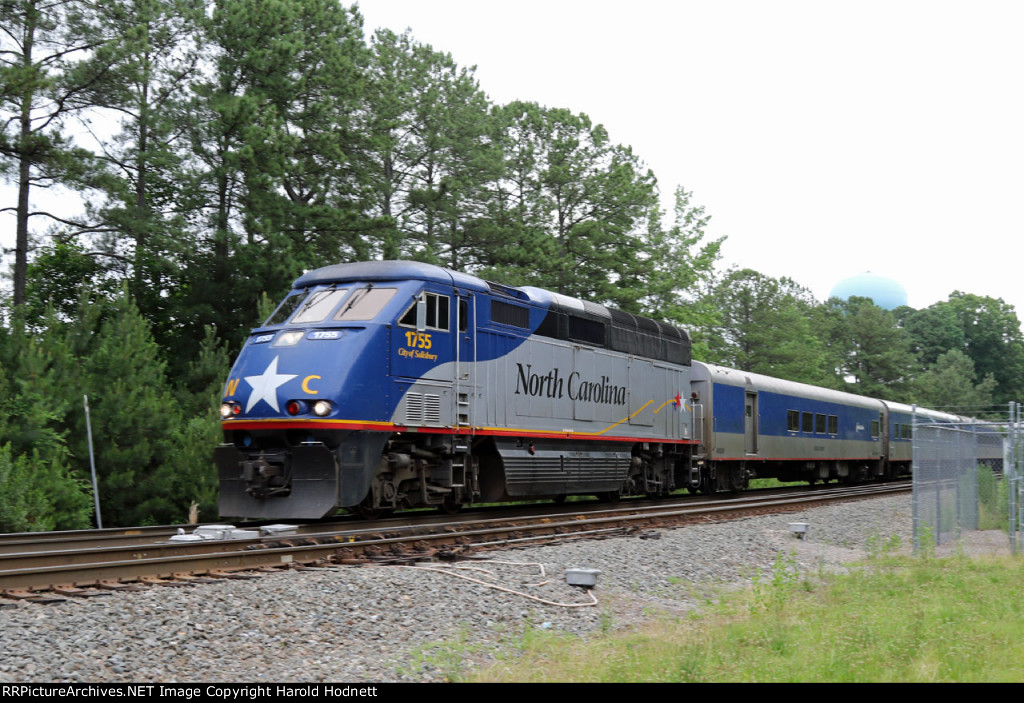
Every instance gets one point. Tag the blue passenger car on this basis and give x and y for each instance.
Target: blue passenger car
(758, 426)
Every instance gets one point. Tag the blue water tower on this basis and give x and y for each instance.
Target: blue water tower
(885, 292)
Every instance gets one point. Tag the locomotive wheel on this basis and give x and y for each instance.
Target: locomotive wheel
(708, 486)
(366, 510)
(368, 513)
(450, 505)
(609, 496)
(559, 499)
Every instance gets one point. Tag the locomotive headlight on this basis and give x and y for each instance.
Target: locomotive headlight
(288, 339)
(229, 409)
(322, 408)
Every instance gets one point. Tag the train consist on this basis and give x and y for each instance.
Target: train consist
(391, 384)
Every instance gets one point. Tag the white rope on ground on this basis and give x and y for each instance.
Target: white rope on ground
(449, 572)
(509, 563)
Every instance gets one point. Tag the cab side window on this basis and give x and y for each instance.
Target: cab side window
(437, 313)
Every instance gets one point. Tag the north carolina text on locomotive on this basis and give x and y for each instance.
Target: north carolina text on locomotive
(554, 385)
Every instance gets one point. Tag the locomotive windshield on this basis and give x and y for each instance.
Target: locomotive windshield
(304, 307)
(285, 309)
(365, 303)
(319, 305)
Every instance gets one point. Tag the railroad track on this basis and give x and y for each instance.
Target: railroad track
(59, 565)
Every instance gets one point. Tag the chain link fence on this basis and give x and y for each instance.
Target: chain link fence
(967, 468)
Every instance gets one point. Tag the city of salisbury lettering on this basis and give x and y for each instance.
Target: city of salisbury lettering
(554, 385)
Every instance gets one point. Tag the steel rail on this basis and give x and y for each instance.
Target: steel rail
(67, 570)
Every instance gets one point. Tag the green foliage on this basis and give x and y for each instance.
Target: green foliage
(134, 418)
(108, 353)
(993, 340)
(275, 174)
(770, 593)
(432, 159)
(765, 328)
(55, 278)
(150, 52)
(933, 331)
(198, 398)
(757, 483)
(883, 547)
(23, 503)
(950, 382)
(34, 437)
(578, 203)
(199, 388)
(870, 353)
(664, 281)
(46, 67)
(992, 500)
(984, 330)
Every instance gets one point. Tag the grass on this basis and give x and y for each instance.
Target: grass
(904, 619)
(768, 483)
(992, 501)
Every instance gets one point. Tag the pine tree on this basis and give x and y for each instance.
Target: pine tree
(23, 504)
(579, 204)
(869, 351)
(34, 402)
(274, 137)
(431, 156)
(48, 63)
(667, 276)
(152, 59)
(951, 383)
(765, 327)
(135, 421)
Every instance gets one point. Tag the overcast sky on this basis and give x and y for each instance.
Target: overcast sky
(824, 138)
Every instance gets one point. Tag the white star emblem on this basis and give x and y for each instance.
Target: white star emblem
(265, 387)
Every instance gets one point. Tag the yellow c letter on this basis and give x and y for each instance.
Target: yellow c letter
(305, 385)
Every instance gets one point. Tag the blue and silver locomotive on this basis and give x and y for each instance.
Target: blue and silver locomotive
(391, 384)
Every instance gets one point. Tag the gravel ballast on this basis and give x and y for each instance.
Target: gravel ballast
(383, 624)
